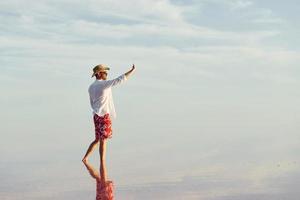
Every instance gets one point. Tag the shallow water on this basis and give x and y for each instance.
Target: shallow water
(233, 149)
(70, 179)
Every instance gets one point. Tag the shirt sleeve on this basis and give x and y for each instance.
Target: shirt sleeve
(117, 81)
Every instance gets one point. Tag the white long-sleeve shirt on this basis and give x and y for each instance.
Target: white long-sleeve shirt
(100, 93)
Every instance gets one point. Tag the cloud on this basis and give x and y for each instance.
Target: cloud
(241, 4)
(146, 23)
(236, 4)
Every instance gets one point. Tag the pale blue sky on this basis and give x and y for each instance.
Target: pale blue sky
(215, 94)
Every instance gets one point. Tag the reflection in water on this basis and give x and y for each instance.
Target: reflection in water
(104, 187)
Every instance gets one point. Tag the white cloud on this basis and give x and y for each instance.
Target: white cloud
(267, 16)
(151, 21)
(239, 4)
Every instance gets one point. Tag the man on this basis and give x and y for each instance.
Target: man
(103, 107)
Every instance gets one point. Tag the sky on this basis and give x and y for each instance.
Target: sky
(211, 112)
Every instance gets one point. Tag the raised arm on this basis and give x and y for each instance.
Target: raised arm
(127, 74)
(119, 80)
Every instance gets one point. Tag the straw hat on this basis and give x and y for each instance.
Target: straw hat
(99, 68)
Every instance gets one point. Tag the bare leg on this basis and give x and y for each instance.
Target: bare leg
(102, 150)
(90, 150)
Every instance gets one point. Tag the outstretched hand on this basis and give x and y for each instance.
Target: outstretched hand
(130, 71)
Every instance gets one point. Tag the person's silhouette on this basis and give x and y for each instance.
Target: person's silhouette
(104, 187)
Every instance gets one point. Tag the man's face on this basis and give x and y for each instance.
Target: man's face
(103, 75)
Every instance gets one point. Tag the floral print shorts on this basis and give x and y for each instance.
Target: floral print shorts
(105, 191)
(103, 128)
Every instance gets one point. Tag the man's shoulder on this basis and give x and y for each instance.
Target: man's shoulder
(97, 84)
(92, 85)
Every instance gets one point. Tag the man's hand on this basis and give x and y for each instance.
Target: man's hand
(129, 72)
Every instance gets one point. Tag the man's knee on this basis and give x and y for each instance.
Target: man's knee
(96, 141)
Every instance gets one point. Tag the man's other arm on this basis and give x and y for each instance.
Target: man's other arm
(120, 79)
